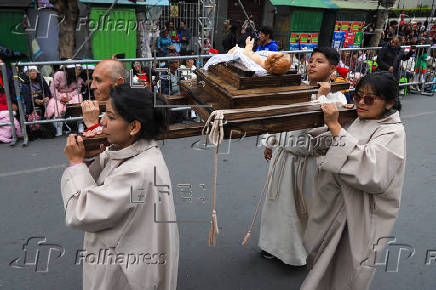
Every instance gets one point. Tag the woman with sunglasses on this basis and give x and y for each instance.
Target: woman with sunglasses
(359, 184)
(123, 200)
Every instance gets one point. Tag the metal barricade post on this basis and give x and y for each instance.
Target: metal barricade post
(360, 62)
(9, 103)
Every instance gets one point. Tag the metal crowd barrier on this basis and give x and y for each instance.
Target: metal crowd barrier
(359, 62)
(9, 102)
(22, 111)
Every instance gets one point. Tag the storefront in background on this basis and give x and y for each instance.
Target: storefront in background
(302, 24)
(348, 34)
(12, 33)
(349, 28)
(300, 41)
(305, 28)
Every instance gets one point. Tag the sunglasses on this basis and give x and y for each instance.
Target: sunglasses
(367, 99)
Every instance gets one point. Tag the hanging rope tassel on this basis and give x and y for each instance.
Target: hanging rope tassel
(215, 135)
(214, 222)
(213, 231)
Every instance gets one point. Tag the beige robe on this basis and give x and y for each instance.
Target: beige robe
(357, 201)
(124, 203)
(287, 203)
(290, 193)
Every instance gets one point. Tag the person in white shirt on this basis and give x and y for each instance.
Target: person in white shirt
(187, 69)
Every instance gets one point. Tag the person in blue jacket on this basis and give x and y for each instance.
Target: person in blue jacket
(266, 40)
(163, 42)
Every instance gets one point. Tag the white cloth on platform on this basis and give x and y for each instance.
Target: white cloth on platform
(239, 56)
(290, 193)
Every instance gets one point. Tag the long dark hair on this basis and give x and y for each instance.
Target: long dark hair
(384, 85)
(141, 105)
(135, 73)
(70, 75)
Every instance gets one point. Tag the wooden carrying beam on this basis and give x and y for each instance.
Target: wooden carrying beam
(75, 110)
(247, 126)
(254, 126)
(93, 143)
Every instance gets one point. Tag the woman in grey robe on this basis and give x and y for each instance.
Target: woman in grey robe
(123, 200)
(358, 188)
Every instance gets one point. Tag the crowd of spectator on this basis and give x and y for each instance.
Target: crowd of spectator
(235, 35)
(46, 96)
(174, 41)
(409, 33)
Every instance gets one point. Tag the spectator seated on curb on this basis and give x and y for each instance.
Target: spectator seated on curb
(35, 93)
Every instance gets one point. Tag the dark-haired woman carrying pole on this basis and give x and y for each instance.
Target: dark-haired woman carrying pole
(123, 200)
(359, 186)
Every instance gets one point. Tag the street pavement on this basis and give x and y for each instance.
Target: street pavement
(31, 208)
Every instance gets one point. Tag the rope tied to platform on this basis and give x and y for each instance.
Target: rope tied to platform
(214, 130)
(262, 196)
(300, 203)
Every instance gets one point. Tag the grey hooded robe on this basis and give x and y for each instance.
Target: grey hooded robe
(359, 185)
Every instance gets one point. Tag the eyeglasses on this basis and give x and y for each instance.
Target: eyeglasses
(367, 99)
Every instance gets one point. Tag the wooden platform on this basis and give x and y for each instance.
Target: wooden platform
(242, 79)
(249, 111)
(230, 97)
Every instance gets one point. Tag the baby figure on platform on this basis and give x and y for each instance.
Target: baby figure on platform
(261, 62)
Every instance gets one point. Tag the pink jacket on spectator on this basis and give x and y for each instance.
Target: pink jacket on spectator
(59, 90)
(6, 131)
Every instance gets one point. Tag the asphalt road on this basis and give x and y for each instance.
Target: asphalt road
(31, 207)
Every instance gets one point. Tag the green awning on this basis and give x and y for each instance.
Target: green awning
(361, 5)
(115, 35)
(12, 33)
(325, 4)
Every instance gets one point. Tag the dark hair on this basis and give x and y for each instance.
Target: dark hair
(141, 105)
(384, 85)
(133, 66)
(186, 59)
(330, 54)
(70, 75)
(267, 30)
